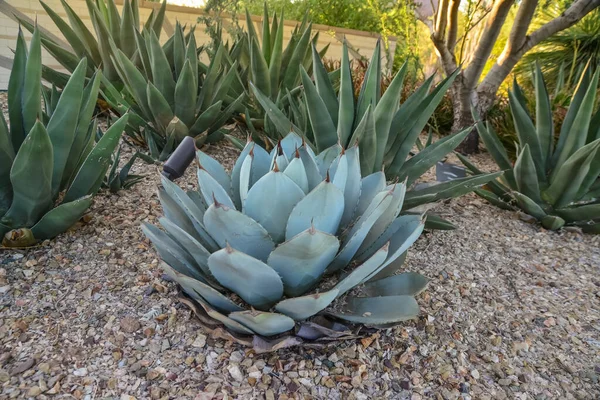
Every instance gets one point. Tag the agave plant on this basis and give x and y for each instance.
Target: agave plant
(117, 179)
(49, 166)
(285, 235)
(385, 131)
(271, 67)
(172, 95)
(556, 183)
(109, 27)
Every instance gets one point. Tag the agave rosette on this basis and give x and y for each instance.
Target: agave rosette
(286, 234)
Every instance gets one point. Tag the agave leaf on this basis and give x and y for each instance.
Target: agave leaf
(31, 181)
(15, 93)
(241, 232)
(320, 119)
(353, 185)
(7, 156)
(254, 281)
(200, 291)
(172, 253)
(580, 213)
(326, 158)
(454, 188)
(259, 67)
(61, 218)
(405, 284)
(301, 261)
(435, 222)
(193, 212)
(370, 186)
(185, 95)
(188, 243)
(174, 212)
(89, 177)
(399, 244)
(567, 181)
(236, 173)
(211, 189)
(492, 198)
(310, 168)
(378, 310)
(526, 176)
(529, 205)
(290, 143)
(576, 135)
(264, 323)
(492, 143)
(281, 122)
(215, 169)
(385, 110)
(162, 77)
(370, 91)
(161, 110)
(321, 208)
(552, 222)
(526, 133)
(385, 220)
(346, 100)
(206, 119)
(270, 202)
(290, 78)
(32, 84)
(295, 171)
(225, 320)
(300, 308)
(361, 229)
(363, 271)
(543, 118)
(339, 171)
(374, 242)
(324, 86)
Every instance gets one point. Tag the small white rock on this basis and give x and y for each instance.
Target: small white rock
(475, 374)
(80, 372)
(200, 341)
(234, 371)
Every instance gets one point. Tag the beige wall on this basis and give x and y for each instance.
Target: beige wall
(364, 42)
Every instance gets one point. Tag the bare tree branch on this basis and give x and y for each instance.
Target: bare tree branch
(494, 23)
(441, 18)
(452, 25)
(505, 64)
(520, 25)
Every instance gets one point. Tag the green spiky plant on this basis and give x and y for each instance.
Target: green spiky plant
(108, 25)
(556, 183)
(272, 67)
(118, 179)
(385, 130)
(173, 95)
(275, 243)
(49, 166)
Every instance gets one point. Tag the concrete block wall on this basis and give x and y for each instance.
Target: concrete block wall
(364, 42)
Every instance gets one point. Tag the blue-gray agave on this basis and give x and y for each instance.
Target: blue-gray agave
(285, 235)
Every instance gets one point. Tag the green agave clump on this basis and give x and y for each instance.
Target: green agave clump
(385, 130)
(49, 166)
(272, 67)
(554, 181)
(286, 234)
(173, 95)
(109, 27)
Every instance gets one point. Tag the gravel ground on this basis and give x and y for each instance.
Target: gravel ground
(512, 311)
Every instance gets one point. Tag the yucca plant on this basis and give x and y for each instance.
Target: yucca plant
(49, 166)
(108, 25)
(275, 243)
(173, 96)
(556, 183)
(386, 131)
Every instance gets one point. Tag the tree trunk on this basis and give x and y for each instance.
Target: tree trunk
(462, 100)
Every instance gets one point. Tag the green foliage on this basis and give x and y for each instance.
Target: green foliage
(252, 248)
(385, 130)
(173, 95)
(563, 55)
(117, 179)
(110, 28)
(555, 181)
(49, 166)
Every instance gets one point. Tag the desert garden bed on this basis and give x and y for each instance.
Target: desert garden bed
(512, 311)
